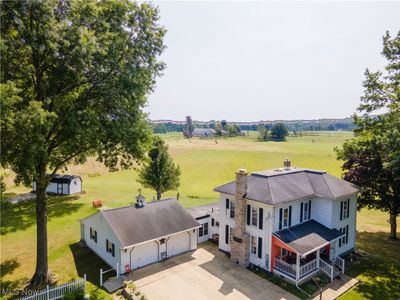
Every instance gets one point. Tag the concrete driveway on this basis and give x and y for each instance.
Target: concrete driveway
(204, 274)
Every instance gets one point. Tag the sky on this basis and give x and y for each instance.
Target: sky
(251, 61)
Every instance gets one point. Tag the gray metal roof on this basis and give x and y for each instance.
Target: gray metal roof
(203, 210)
(307, 236)
(280, 186)
(133, 225)
(57, 178)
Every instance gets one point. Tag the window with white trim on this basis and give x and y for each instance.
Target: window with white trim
(93, 234)
(345, 238)
(203, 230)
(305, 211)
(232, 209)
(285, 217)
(254, 216)
(253, 245)
(110, 247)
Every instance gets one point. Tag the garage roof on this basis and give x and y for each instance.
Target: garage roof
(134, 225)
(203, 211)
(307, 236)
(279, 186)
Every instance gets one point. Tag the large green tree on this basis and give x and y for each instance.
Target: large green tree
(75, 75)
(279, 132)
(372, 157)
(160, 172)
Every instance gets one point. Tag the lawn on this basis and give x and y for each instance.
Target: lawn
(204, 165)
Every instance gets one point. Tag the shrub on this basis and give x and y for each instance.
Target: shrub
(75, 295)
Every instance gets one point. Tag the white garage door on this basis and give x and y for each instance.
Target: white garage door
(178, 244)
(144, 254)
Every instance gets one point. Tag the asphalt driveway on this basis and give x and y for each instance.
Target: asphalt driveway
(204, 274)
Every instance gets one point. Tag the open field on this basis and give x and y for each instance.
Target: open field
(204, 165)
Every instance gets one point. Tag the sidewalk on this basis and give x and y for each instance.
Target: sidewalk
(337, 288)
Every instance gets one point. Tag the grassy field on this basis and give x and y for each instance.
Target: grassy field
(204, 165)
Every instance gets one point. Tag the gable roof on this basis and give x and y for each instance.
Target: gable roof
(57, 178)
(307, 236)
(280, 186)
(134, 225)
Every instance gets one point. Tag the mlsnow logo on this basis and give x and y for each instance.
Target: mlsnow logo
(15, 292)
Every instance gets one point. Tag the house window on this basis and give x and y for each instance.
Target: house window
(110, 248)
(344, 209)
(253, 245)
(201, 231)
(254, 216)
(216, 224)
(93, 234)
(212, 222)
(305, 211)
(232, 210)
(344, 240)
(285, 221)
(284, 252)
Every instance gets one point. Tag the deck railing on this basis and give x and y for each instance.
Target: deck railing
(308, 268)
(326, 268)
(284, 267)
(340, 263)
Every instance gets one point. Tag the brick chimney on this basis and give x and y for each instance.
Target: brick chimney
(240, 239)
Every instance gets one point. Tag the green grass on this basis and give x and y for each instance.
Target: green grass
(204, 165)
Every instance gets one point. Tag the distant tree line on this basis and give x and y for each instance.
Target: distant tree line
(293, 126)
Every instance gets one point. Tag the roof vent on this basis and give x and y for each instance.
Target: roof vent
(140, 199)
(286, 164)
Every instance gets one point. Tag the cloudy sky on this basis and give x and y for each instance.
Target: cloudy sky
(249, 61)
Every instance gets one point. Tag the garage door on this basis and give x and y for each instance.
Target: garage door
(178, 244)
(144, 254)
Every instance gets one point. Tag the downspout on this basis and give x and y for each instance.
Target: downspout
(166, 246)
(130, 257)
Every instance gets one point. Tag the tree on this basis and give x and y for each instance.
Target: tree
(3, 185)
(160, 172)
(263, 132)
(279, 131)
(372, 157)
(160, 128)
(75, 76)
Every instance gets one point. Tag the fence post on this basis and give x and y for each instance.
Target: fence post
(48, 292)
(117, 270)
(84, 282)
(101, 277)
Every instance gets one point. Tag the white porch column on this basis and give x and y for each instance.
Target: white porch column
(297, 267)
(318, 258)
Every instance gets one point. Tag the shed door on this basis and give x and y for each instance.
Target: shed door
(59, 188)
(178, 244)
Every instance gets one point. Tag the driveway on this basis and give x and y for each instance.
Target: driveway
(204, 274)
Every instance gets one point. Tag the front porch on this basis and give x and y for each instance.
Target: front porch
(298, 254)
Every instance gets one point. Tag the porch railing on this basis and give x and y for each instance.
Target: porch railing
(340, 263)
(284, 267)
(326, 268)
(308, 268)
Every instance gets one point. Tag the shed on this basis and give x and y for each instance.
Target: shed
(63, 184)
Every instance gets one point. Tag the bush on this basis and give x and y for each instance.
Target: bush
(76, 295)
(95, 295)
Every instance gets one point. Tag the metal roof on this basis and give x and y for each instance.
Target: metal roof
(202, 211)
(307, 236)
(57, 178)
(279, 186)
(134, 225)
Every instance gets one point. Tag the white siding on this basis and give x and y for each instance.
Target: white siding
(225, 219)
(321, 211)
(98, 223)
(52, 188)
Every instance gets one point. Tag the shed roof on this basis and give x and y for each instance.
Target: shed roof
(134, 225)
(307, 236)
(279, 186)
(61, 178)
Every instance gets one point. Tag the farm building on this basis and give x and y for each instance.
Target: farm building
(63, 185)
(203, 132)
(134, 236)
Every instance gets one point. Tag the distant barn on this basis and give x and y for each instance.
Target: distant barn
(63, 185)
(203, 132)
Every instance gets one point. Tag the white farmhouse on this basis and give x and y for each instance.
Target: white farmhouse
(289, 221)
(63, 185)
(134, 236)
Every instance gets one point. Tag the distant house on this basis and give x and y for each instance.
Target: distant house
(292, 222)
(63, 185)
(203, 132)
(134, 236)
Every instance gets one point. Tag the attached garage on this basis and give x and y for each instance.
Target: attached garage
(144, 233)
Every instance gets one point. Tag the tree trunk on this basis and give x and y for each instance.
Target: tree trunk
(158, 194)
(41, 275)
(393, 226)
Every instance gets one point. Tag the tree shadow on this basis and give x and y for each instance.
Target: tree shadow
(87, 262)
(8, 266)
(378, 267)
(10, 287)
(23, 215)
